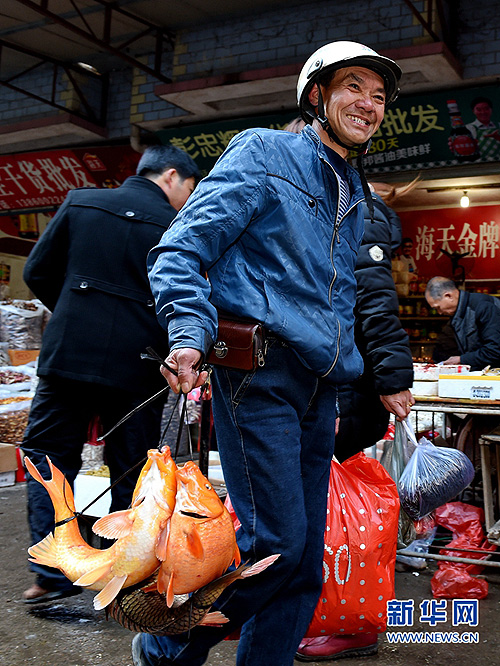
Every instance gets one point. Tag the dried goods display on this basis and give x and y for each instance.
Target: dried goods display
(14, 419)
(22, 323)
(8, 376)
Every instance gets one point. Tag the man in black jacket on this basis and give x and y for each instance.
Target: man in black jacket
(475, 320)
(89, 269)
(381, 340)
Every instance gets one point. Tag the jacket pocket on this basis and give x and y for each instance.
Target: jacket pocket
(84, 284)
(298, 196)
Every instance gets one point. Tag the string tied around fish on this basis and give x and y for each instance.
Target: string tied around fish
(151, 355)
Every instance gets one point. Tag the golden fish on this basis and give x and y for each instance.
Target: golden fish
(141, 531)
(202, 542)
(144, 611)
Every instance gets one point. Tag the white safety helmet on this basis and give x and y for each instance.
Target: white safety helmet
(344, 54)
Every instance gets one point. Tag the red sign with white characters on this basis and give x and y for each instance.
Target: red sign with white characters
(43, 179)
(443, 238)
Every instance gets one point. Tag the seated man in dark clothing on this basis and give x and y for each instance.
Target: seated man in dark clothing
(475, 320)
(446, 345)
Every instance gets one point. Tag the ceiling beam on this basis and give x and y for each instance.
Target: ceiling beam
(435, 13)
(161, 35)
(70, 70)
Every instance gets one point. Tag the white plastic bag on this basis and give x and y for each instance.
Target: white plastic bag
(433, 476)
(395, 457)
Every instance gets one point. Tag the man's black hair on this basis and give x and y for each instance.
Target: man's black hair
(406, 240)
(157, 159)
(481, 100)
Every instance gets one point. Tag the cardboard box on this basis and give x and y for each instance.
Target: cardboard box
(7, 479)
(427, 372)
(470, 386)
(23, 356)
(432, 371)
(8, 458)
(424, 388)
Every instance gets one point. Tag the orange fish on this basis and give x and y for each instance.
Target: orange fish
(202, 542)
(141, 531)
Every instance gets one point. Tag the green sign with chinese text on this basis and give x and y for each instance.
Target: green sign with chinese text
(205, 143)
(422, 131)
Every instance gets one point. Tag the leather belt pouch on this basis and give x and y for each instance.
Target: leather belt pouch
(240, 344)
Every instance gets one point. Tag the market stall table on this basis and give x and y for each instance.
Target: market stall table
(486, 442)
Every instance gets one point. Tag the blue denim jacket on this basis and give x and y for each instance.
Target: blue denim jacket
(264, 227)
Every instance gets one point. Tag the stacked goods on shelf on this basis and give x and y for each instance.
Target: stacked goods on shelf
(401, 277)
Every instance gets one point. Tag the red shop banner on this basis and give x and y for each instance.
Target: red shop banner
(43, 179)
(445, 238)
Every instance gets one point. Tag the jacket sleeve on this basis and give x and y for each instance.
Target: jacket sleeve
(380, 337)
(487, 316)
(215, 216)
(45, 267)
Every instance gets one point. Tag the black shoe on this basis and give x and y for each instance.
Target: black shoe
(39, 595)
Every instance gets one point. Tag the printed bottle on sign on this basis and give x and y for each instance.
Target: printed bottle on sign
(463, 145)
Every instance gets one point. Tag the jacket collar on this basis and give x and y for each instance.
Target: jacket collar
(463, 301)
(351, 174)
(139, 182)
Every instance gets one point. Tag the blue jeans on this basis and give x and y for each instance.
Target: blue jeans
(57, 427)
(275, 432)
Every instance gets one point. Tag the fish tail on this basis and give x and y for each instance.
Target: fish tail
(214, 619)
(44, 552)
(259, 566)
(58, 488)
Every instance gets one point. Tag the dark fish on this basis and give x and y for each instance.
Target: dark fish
(147, 611)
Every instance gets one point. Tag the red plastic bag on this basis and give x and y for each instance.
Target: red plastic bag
(360, 549)
(454, 580)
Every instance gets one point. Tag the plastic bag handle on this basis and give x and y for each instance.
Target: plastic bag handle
(409, 431)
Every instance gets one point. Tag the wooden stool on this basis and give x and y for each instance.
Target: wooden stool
(485, 443)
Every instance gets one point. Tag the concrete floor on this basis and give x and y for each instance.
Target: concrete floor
(71, 633)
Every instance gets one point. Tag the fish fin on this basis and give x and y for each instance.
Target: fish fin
(91, 577)
(259, 566)
(237, 556)
(163, 580)
(215, 617)
(109, 592)
(194, 544)
(115, 525)
(161, 546)
(44, 552)
(170, 591)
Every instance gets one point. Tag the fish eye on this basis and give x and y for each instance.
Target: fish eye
(208, 486)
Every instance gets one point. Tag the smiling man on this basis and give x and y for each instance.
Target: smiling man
(276, 226)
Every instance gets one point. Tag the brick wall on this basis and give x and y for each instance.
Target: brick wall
(280, 36)
(479, 38)
(276, 37)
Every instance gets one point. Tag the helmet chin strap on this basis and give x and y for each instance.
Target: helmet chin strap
(360, 148)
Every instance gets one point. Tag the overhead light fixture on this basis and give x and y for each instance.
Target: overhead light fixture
(88, 68)
(464, 201)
